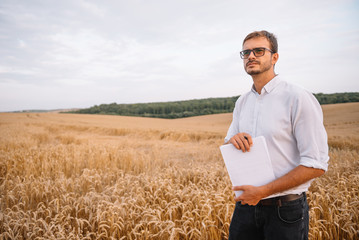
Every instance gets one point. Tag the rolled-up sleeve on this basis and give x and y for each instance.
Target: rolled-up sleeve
(309, 131)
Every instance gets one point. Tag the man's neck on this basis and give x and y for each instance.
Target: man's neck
(261, 80)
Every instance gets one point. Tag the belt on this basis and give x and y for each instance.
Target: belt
(277, 201)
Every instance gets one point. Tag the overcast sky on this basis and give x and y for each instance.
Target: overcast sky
(80, 53)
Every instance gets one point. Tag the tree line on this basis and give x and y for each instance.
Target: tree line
(197, 107)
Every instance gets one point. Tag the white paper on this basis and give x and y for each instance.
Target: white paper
(248, 168)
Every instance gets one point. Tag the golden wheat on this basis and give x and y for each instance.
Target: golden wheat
(84, 177)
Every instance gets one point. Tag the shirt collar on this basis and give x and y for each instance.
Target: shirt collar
(270, 85)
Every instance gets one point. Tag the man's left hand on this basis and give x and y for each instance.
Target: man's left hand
(251, 194)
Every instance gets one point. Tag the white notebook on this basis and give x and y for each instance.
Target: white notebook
(248, 168)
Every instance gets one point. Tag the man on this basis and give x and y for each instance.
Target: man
(291, 120)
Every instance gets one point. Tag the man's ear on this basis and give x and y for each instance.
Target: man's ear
(275, 57)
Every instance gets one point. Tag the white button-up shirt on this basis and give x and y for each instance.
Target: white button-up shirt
(291, 120)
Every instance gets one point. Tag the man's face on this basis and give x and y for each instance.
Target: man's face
(256, 65)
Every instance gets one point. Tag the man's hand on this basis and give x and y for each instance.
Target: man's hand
(251, 195)
(242, 141)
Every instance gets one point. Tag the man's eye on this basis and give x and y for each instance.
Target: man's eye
(259, 50)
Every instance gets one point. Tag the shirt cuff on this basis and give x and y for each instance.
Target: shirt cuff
(313, 163)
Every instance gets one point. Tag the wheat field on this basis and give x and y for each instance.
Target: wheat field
(66, 176)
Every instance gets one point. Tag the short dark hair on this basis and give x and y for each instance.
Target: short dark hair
(272, 39)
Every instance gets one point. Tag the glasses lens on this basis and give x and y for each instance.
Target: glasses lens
(245, 54)
(258, 52)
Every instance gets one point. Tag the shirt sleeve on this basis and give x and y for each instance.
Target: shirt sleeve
(234, 127)
(309, 131)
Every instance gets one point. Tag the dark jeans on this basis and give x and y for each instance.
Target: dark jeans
(289, 221)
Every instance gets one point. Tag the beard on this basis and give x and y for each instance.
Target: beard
(262, 68)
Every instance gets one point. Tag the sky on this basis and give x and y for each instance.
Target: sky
(80, 53)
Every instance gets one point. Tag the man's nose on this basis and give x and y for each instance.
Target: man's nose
(251, 55)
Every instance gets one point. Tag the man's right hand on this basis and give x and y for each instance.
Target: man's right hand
(242, 141)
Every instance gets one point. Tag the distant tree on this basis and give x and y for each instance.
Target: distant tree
(189, 108)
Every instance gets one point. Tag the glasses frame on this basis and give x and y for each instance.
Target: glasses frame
(242, 53)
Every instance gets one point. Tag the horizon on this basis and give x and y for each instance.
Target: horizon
(76, 108)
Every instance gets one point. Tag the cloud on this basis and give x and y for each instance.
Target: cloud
(141, 51)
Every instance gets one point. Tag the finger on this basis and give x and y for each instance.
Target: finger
(237, 199)
(238, 188)
(245, 142)
(239, 142)
(234, 142)
(249, 139)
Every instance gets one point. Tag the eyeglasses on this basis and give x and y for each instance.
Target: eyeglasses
(258, 52)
